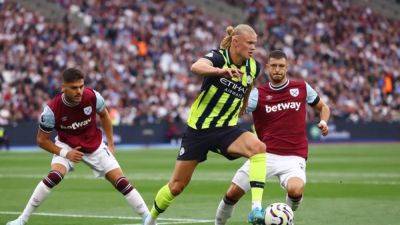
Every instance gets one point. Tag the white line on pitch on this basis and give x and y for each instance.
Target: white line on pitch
(109, 217)
(313, 177)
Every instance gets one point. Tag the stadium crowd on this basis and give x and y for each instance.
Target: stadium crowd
(138, 53)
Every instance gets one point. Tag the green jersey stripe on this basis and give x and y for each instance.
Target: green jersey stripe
(228, 113)
(209, 109)
(235, 111)
(223, 111)
(197, 109)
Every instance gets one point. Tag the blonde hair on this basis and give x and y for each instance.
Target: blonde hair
(232, 31)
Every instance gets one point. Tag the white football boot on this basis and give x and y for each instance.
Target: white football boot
(17, 221)
(148, 220)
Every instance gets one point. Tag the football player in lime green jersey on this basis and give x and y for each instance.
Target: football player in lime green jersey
(228, 75)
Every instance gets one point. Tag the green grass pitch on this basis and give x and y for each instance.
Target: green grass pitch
(355, 184)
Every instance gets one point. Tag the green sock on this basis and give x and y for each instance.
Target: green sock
(258, 172)
(163, 199)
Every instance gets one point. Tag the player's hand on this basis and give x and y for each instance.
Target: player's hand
(75, 155)
(323, 126)
(230, 73)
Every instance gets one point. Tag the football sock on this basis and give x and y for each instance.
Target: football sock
(163, 199)
(39, 195)
(257, 176)
(132, 196)
(136, 201)
(53, 178)
(224, 211)
(293, 202)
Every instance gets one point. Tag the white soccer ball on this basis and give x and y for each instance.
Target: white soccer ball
(279, 214)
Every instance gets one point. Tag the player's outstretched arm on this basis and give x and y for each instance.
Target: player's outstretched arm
(324, 114)
(106, 123)
(204, 67)
(43, 140)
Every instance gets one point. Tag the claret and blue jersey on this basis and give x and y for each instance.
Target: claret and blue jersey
(75, 125)
(279, 115)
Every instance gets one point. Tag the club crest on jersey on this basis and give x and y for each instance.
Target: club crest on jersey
(87, 110)
(269, 97)
(294, 92)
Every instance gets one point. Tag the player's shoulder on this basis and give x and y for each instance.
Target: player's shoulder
(262, 89)
(216, 57)
(214, 53)
(297, 83)
(55, 102)
(89, 91)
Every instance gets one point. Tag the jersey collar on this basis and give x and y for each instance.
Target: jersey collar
(280, 87)
(229, 59)
(66, 102)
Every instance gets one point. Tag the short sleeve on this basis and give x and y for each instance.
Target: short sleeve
(253, 101)
(100, 103)
(216, 58)
(47, 120)
(258, 69)
(312, 96)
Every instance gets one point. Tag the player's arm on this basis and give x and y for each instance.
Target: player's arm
(106, 123)
(324, 114)
(43, 138)
(318, 104)
(245, 100)
(250, 99)
(210, 65)
(105, 120)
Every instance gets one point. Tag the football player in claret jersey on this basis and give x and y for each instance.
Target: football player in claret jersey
(279, 114)
(73, 115)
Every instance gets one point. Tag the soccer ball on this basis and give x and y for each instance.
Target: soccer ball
(279, 214)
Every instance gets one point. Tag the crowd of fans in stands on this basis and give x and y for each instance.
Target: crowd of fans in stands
(138, 54)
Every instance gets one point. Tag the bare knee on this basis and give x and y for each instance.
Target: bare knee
(295, 189)
(177, 186)
(257, 147)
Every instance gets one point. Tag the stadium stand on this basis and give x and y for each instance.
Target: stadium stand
(138, 55)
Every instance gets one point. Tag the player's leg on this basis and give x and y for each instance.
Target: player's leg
(180, 179)
(248, 145)
(295, 190)
(132, 196)
(227, 204)
(194, 149)
(239, 186)
(42, 190)
(104, 164)
(293, 178)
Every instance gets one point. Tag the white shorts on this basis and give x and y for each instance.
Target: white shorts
(283, 167)
(101, 161)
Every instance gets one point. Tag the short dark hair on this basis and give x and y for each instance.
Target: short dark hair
(71, 75)
(277, 54)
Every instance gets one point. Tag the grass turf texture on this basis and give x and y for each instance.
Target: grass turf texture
(356, 184)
